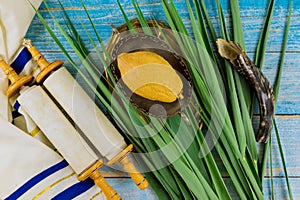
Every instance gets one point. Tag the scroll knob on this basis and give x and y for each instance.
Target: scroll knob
(135, 175)
(45, 66)
(99, 180)
(129, 167)
(16, 81)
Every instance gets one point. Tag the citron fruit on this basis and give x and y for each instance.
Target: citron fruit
(149, 75)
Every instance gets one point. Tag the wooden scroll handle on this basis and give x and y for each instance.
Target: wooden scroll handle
(16, 81)
(45, 66)
(136, 176)
(99, 180)
(129, 167)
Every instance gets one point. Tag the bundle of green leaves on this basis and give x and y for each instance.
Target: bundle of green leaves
(186, 162)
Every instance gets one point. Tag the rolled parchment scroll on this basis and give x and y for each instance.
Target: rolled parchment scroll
(85, 113)
(64, 137)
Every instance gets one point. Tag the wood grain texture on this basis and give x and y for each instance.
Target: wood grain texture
(127, 189)
(106, 12)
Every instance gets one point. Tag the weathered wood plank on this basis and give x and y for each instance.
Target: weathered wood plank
(251, 25)
(127, 190)
(280, 188)
(109, 13)
(210, 4)
(288, 127)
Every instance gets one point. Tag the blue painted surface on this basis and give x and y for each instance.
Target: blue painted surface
(106, 12)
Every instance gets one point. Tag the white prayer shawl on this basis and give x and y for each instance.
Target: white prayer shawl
(30, 169)
(20, 59)
(15, 18)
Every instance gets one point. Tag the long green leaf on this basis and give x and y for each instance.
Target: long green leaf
(235, 106)
(262, 42)
(276, 92)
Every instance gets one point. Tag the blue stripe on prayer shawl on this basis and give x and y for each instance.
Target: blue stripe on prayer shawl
(22, 59)
(17, 106)
(35, 180)
(15, 114)
(75, 190)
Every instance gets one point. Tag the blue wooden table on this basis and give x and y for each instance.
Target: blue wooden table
(105, 13)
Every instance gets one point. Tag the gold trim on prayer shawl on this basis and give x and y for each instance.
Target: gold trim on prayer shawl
(52, 185)
(96, 195)
(34, 131)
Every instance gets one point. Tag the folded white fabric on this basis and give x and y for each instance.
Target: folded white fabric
(30, 169)
(15, 18)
